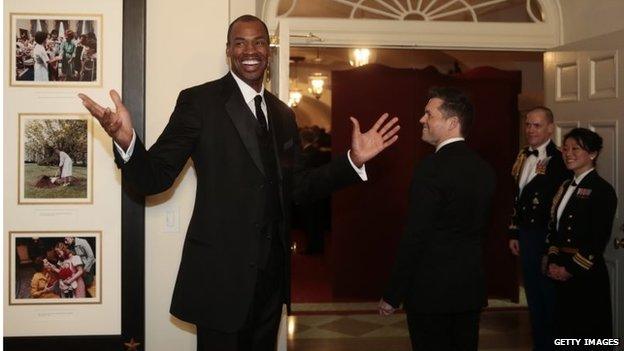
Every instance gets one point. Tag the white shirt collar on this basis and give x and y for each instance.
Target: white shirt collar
(579, 178)
(248, 92)
(541, 150)
(448, 141)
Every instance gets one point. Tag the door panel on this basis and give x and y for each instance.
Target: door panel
(582, 87)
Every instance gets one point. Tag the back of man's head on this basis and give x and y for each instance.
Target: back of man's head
(456, 104)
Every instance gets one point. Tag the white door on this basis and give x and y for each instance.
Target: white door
(583, 87)
(279, 86)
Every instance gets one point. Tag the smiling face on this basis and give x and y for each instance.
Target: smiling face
(248, 51)
(435, 126)
(576, 158)
(537, 128)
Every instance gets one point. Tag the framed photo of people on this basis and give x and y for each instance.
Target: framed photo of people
(55, 159)
(56, 50)
(55, 267)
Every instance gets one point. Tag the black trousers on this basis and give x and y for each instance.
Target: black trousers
(259, 333)
(444, 332)
(540, 290)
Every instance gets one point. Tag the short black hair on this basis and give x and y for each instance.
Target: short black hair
(455, 104)
(247, 18)
(40, 37)
(546, 111)
(588, 140)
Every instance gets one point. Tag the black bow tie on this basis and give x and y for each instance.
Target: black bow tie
(528, 153)
(573, 184)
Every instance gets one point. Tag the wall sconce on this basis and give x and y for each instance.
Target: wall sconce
(294, 97)
(294, 93)
(360, 57)
(317, 84)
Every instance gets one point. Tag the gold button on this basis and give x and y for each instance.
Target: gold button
(570, 216)
(532, 220)
(569, 240)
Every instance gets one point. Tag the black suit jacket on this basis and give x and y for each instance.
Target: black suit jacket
(213, 126)
(439, 265)
(584, 227)
(532, 206)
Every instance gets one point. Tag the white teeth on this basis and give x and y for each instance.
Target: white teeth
(251, 62)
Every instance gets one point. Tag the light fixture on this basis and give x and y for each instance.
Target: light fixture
(294, 93)
(316, 84)
(359, 57)
(294, 97)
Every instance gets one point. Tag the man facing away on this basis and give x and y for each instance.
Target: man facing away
(438, 273)
(538, 172)
(234, 272)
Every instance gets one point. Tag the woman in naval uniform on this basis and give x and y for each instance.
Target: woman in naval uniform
(581, 220)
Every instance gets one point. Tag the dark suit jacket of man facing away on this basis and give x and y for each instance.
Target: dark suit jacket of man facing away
(213, 125)
(439, 264)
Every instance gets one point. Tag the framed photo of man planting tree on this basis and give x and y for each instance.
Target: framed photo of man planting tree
(55, 163)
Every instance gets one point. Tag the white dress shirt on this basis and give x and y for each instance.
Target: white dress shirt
(448, 141)
(249, 94)
(528, 169)
(568, 194)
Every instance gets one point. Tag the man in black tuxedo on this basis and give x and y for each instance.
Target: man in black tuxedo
(234, 273)
(538, 172)
(438, 273)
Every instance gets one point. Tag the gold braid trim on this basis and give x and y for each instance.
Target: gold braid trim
(517, 167)
(557, 199)
(582, 261)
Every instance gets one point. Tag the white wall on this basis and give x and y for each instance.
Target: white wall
(585, 19)
(185, 47)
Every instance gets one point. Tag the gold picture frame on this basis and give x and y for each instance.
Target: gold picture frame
(34, 277)
(45, 139)
(27, 67)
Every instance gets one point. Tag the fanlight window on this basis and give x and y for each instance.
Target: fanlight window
(417, 10)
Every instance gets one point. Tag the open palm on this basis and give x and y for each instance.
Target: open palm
(365, 146)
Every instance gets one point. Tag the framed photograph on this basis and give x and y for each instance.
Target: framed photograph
(56, 50)
(55, 267)
(55, 159)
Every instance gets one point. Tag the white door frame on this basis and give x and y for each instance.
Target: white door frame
(345, 32)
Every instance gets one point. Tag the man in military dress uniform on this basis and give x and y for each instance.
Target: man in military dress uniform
(538, 171)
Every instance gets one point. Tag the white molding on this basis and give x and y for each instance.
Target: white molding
(596, 57)
(343, 32)
(560, 125)
(612, 124)
(559, 97)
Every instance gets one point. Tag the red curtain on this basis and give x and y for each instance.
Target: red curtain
(368, 219)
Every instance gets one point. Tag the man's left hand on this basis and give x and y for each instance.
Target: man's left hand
(365, 146)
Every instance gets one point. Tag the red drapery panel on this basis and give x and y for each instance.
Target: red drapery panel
(368, 219)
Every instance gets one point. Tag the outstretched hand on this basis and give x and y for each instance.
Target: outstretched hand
(117, 124)
(365, 146)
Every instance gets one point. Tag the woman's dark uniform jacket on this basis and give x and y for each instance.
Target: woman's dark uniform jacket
(213, 125)
(583, 304)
